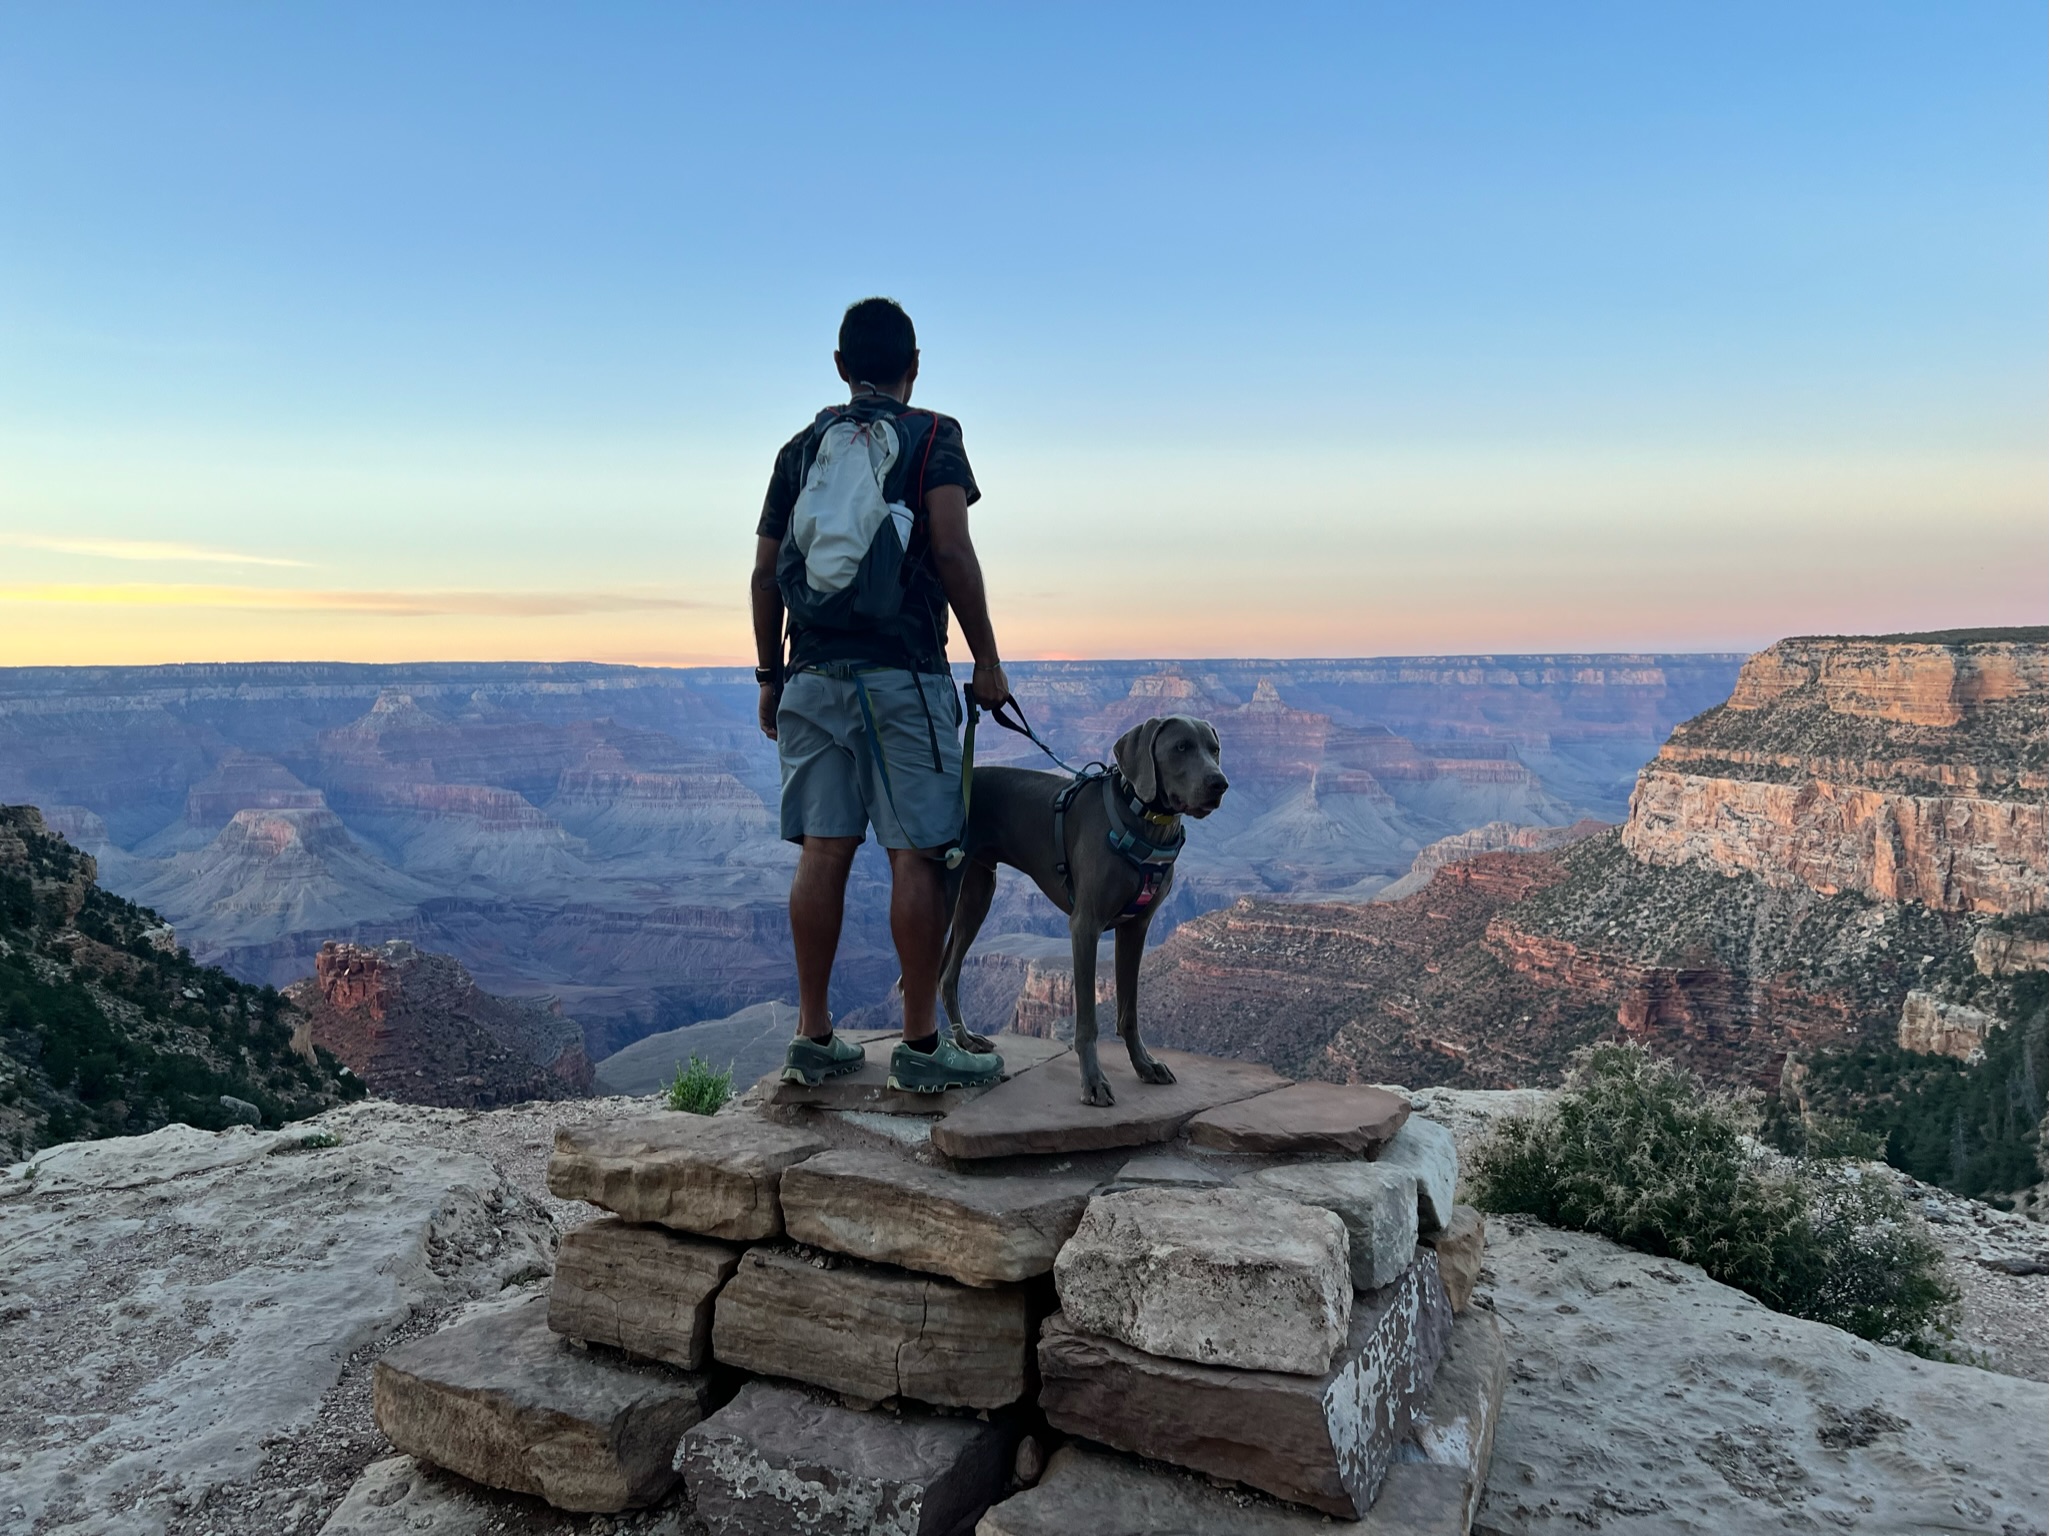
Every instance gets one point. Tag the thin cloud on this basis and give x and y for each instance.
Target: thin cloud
(144, 549)
(404, 605)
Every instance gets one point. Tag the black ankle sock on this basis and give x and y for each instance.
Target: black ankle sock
(927, 1045)
(824, 1039)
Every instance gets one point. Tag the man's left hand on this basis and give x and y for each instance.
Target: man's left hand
(771, 696)
(990, 686)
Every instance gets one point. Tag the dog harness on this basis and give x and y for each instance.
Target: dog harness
(1152, 857)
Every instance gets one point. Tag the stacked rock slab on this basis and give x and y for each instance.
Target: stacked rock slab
(1325, 1440)
(646, 1290)
(1219, 1276)
(873, 1332)
(1243, 1297)
(776, 1460)
(985, 1230)
(506, 1402)
(715, 1175)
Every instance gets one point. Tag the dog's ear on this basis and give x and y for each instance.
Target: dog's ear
(1134, 754)
(1209, 734)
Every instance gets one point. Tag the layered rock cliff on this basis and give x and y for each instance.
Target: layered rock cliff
(417, 1028)
(1909, 770)
(1850, 851)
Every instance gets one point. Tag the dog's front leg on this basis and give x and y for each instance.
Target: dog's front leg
(1131, 950)
(1087, 931)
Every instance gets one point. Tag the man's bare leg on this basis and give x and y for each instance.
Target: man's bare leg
(917, 921)
(818, 902)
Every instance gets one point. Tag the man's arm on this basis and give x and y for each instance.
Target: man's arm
(766, 600)
(960, 573)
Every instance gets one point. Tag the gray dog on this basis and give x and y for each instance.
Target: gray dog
(1103, 850)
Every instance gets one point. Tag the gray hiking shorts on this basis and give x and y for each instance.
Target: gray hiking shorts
(832, 784)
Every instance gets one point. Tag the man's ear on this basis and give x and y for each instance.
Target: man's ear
(1134, 754)
(841, 364)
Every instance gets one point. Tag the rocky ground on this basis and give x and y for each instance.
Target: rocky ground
(188, 1320)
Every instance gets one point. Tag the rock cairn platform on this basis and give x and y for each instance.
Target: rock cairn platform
(1233, 1304)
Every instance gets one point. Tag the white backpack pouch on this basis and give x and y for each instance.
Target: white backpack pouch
(841, 510)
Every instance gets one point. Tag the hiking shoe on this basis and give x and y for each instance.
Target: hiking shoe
(810, 1063)
(948, 1066)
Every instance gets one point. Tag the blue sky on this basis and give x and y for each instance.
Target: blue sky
(396, 332)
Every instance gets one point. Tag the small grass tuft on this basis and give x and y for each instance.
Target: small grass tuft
(698, 1090)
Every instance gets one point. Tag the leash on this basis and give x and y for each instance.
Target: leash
(1023, 727)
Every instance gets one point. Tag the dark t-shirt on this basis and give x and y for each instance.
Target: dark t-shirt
(924, 609)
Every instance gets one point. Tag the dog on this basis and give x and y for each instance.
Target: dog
(1166, 769)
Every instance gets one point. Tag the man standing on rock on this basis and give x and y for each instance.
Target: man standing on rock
(862, 546)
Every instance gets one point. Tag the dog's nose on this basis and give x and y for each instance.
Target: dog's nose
(1216, 784)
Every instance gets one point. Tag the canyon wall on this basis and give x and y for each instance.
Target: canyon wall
(1851, 849)
(1912, 770)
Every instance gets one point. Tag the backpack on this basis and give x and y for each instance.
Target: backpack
(845, 562)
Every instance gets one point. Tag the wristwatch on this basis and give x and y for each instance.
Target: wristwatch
(769, 677)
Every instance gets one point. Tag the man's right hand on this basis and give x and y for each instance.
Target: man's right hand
(771, 696)
(990, 686)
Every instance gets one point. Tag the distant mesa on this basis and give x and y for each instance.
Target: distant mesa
(416, 1027)
(268, 874)
(1494, 837)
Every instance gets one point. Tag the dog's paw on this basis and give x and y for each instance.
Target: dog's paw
(1097, 1093)
(1150, 1071)
(979, 1045)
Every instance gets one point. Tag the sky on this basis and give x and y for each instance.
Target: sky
(391, 332)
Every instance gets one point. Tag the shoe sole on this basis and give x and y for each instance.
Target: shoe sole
(800, 1076)
(903, 1087)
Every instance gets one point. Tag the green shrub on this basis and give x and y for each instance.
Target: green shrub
(697, 1089)
(1637, 1149)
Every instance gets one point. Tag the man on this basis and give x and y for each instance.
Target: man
(863, 710)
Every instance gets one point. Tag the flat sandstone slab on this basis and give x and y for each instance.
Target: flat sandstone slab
(505, 1402)
(1218, 1276)
(1304, 1119)
(645, 1290)
(715, 1175)
(869, 1087)
(1327, 1441)
(872, 1332)
(778, 1462)
(1041, 1111)
(978, 1229)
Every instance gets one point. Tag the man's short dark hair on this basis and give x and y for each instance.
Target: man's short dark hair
(877, 341)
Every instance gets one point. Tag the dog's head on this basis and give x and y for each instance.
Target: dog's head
(1171, 761)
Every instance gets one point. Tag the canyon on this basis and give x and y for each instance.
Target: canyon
(1854, 845)
(606, 835)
